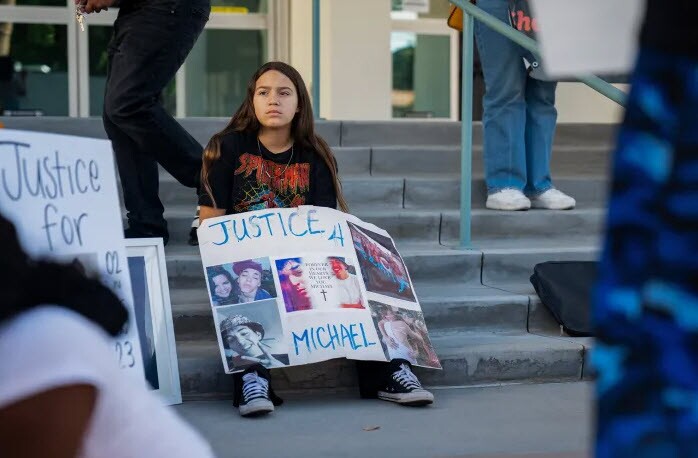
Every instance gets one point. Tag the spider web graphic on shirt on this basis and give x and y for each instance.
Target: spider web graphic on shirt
(271, 185)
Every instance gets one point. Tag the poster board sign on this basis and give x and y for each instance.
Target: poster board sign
(60, 193)
(153, 316)
(294, 286)
(591, 36)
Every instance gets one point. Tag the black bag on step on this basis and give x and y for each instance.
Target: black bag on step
(565, 287)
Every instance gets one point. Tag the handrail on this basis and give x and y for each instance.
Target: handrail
(602, 87)
(471, 12)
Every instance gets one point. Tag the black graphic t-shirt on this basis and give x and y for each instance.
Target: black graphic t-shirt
(249, 177)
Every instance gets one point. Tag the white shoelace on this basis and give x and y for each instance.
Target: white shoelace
(254, 387)
(406, 378)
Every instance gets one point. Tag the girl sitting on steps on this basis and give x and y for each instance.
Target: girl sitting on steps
(246, 167)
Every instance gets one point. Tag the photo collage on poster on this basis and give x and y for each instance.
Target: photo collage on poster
(394, 309)
(355, 301)
(249, 311)
(246, 315)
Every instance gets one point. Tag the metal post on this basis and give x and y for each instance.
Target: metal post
(316, 58)
(466, 158)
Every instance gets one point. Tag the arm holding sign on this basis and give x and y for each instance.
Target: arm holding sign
(268, 157)
(217, 176)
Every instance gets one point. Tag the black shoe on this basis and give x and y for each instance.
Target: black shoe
(131, 233)
(404, 388)
(255, 396)
(193, 236)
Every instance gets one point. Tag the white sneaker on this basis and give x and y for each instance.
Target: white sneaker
(553, 199)
(508, 199)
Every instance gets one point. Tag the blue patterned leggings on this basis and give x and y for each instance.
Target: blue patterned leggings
(646, 301)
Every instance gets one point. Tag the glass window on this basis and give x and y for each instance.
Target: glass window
(33, 69)
(421, 75)
(410, 9)
(239, 6)
(99, 37)
(216, 81)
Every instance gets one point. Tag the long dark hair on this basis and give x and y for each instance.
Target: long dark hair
(234, 291)
(61, 284)
(302, 129)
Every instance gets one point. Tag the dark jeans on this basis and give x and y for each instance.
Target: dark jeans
(150, 42)
(372, 375)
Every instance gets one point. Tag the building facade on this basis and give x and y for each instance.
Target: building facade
(380, 60)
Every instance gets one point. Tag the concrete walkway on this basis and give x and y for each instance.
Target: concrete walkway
(512, 421)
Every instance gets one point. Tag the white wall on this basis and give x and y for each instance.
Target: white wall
(578, 103)
(356, 64)
(356, 69)
(301, 37)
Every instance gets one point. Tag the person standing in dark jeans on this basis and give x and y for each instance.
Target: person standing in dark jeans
(151, 40)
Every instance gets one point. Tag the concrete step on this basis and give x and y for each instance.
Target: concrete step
(335, 133)
(200, 128)
(433, 226)
(506, 266)
(424, 262)
(532, 224)
(440, 132)
(361, 191)
(467, 359)
(444, 191)
(415, 191)
(445, 306)
(576, 159)
(490, 265)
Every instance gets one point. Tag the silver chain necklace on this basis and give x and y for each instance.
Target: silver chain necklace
(283, 172)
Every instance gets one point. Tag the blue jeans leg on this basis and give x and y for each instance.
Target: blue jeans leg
(504, 103)
(541, 117)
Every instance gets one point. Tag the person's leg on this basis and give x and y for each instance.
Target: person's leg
(151, 41)
(504, 104)
(253, 394)
(139, 177)
(646, 300)
(541, 117)
(391, 381)
(372, 376)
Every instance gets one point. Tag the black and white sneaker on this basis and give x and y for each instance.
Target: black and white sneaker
(404, 388)
(255, 396)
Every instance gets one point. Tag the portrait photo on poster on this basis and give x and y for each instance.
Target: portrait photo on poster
(240, 282)
(144, 318)
(251, 334)
(153, 316)
(382, 267)
(319, 282)
(403, 334)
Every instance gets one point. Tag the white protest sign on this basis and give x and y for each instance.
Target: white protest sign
(300, 285)
(591, 36)
(60, 193)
